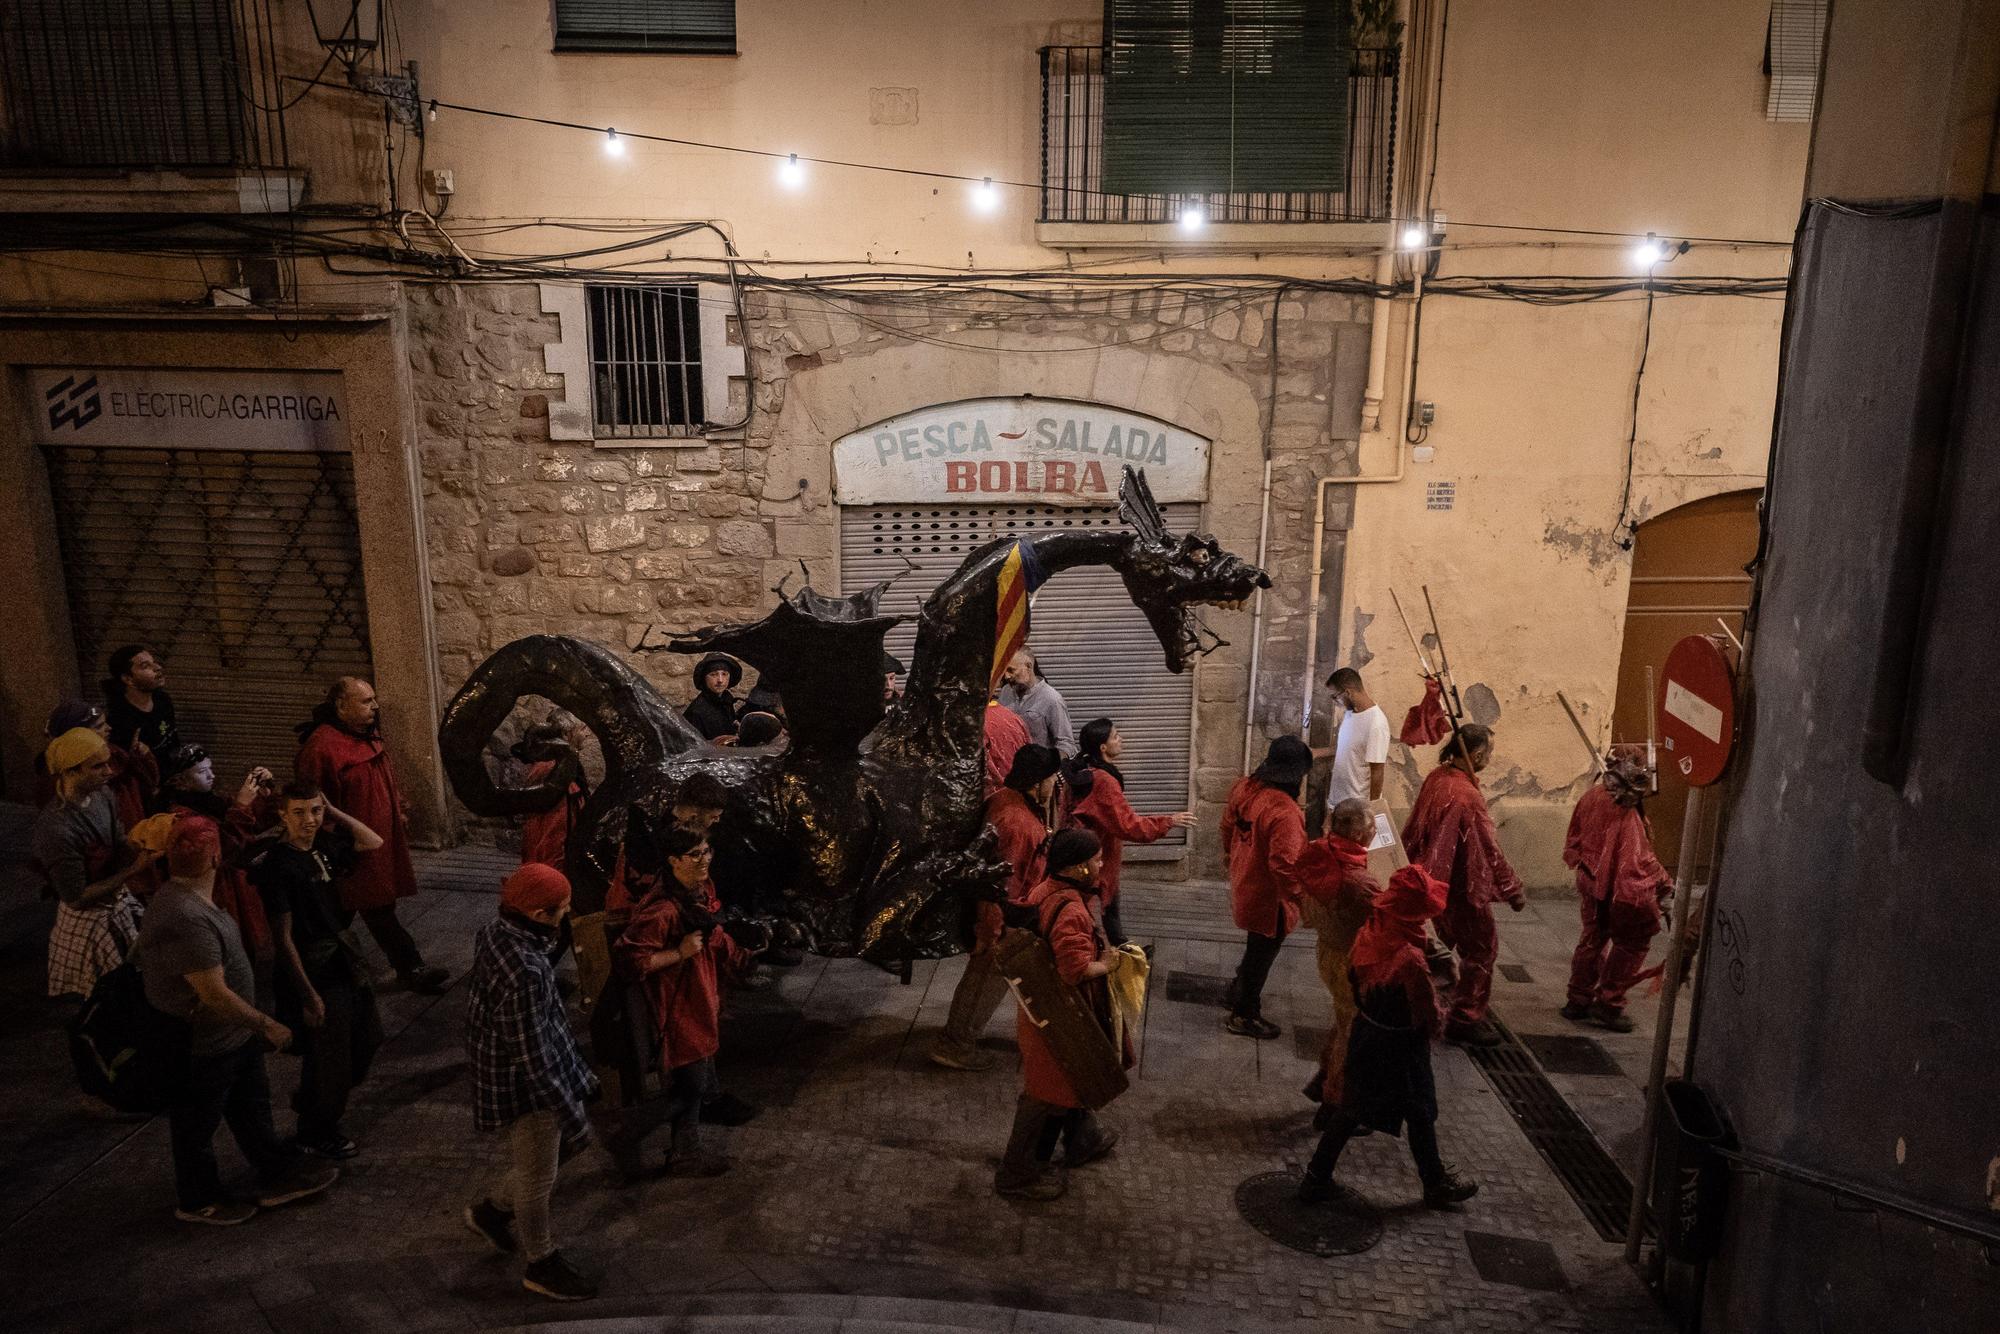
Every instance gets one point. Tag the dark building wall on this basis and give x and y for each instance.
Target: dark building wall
(1848, 1020)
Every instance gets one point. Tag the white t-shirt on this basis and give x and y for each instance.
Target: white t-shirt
(1363, 741)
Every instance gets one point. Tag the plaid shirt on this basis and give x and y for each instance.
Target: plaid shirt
(524, 1057)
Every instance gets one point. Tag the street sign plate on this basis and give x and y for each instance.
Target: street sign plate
(1697, 710)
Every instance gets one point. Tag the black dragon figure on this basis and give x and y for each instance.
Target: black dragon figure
(869, 824)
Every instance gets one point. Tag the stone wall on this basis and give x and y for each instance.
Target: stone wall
(624, 545)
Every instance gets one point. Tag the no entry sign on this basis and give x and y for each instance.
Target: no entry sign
(1697, 710)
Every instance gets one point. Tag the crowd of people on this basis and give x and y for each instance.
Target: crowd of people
(152, 868)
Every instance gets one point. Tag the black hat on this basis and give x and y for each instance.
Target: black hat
(713, 661)
(758, 729)
(1071, 847)
(180, 759)
(1032, 763)
(1285, 764)
(891, 664)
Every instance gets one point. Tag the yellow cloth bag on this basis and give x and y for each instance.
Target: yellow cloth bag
(1127, 984)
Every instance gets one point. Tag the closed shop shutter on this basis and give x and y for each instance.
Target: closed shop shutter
(241, 569)
(1094, 645)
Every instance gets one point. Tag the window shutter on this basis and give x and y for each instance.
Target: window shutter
(686, 27)
(1792, 56)
(1211, 96)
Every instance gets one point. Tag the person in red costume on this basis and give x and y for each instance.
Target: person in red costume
(1048, 1109)
(547, 750)
(1102, 809)
(1450, 834)
(1386, 1083)
(1621, 888)
(188, 788)
(340, 751)
(1015, 812)
(1263, 833)
(676, 945)
(1338, 894)
(1005, 734)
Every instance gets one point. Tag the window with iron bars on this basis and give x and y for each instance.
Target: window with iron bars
(645, 361)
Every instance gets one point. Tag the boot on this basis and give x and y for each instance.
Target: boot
(1323, 1190)
(1604, 1016)
(1448, 1189)
(1087, 1140)
(1575, 1012)
(1022, 1175)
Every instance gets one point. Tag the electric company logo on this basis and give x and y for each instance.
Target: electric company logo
(73, 404)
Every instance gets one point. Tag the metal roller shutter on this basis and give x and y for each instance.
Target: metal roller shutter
(1094, 645)
(243, 570)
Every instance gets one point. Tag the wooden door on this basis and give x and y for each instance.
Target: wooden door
(1687, 572)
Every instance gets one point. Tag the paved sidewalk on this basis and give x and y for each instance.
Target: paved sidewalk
(867, 1177)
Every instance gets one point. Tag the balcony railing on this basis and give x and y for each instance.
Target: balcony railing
(1073, 152)
(140, 84)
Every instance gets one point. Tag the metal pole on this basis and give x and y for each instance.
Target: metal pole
(1596, 756)
(1663, 1030)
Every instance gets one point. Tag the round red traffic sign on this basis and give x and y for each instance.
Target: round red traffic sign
(1697, 710)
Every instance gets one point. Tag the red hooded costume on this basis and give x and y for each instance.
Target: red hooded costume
(1619, 886)
(1339, 894)
(545, 834)
(354, 774)
(1105, 813)
(1065, 921)
(1263, 834)
(1005, 734)
(1386, 1078)
(1450, 834)
(685, 997)
(1021, 833)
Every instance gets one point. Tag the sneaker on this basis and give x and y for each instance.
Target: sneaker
(1615, 1020)
(1105, 1142)
(427, 981)
(726, 1109)
(1575, 1013)
(1251, 1026)
(557, 1279)
(303, 1182)
(961, 1058)
(1048, 1184)
(1448, 1190)
(225, 1213)
(334, 1145)
(492, 1222)
(1313, 1190)
(696, 1165)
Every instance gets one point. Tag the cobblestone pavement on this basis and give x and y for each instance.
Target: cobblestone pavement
(867, 1177)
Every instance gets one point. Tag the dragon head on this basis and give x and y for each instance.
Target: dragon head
(1169, 576)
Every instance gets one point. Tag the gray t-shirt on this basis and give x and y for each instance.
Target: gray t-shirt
(67, 836)
(1044, 714)
(185, 933)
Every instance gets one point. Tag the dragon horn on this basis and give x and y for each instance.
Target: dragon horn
(1137, 507)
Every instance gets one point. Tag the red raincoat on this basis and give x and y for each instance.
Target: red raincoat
(545, 834)
(1005, 734)
(685, 997)
(1019, 825)
(1619, 885)
(1450, 834)
(355, 775)
(1106, 813)
(1066, 923)
(1263, 835)
(1333, 874)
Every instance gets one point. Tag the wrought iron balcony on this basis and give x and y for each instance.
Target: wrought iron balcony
(1073, 153)
(140, 84)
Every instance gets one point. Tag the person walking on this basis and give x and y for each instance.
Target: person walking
(1450, 834)
(1336, 894)
(187, 787)
(1361, 748)
(136, 702)
(1015, 815)
(321, 980)
(1041, 709)
(195, 970)
(79, 844)
(529, 1078)
(341, 754)
(1621, 888)
(1048, 1110)
(1385, 1083)
(1005, 734)
(1104, 811)
(548, 758)
(713, 710)
(1263, 833)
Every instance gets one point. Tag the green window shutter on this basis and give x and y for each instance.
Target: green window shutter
(685, 27)
(1221, 96)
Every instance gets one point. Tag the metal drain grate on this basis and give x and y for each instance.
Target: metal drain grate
(1270, 1203)
(1195, 988)
(1520, 1262)
(1570, 1054)
(1515, 972)
(1590, 1175)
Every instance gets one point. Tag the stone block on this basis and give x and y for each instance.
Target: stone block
(644, 496)
(513, 561)
(659, 565)
(706, 459)
(580, 567)
(688, 534)
(742, 537)
(612, 532)
(615, 599)
(1212, 785)
(716, 504)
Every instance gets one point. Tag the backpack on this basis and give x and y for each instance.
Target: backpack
(126, 1052)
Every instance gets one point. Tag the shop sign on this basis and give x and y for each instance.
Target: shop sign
(124, 408)
(1045, 451)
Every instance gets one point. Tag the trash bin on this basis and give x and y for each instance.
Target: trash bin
(1690, 1179)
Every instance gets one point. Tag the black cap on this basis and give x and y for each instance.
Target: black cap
(1071, 847)
(1032, 763)
(1286, 763)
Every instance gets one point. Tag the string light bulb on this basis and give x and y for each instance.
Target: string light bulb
(1415, 237)
(434, 111)
(1193, 217)
(791, 172)
(613, 145)
(1649, 251)
(985, 197)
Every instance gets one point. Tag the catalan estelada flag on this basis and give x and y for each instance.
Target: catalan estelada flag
(1020, 575)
